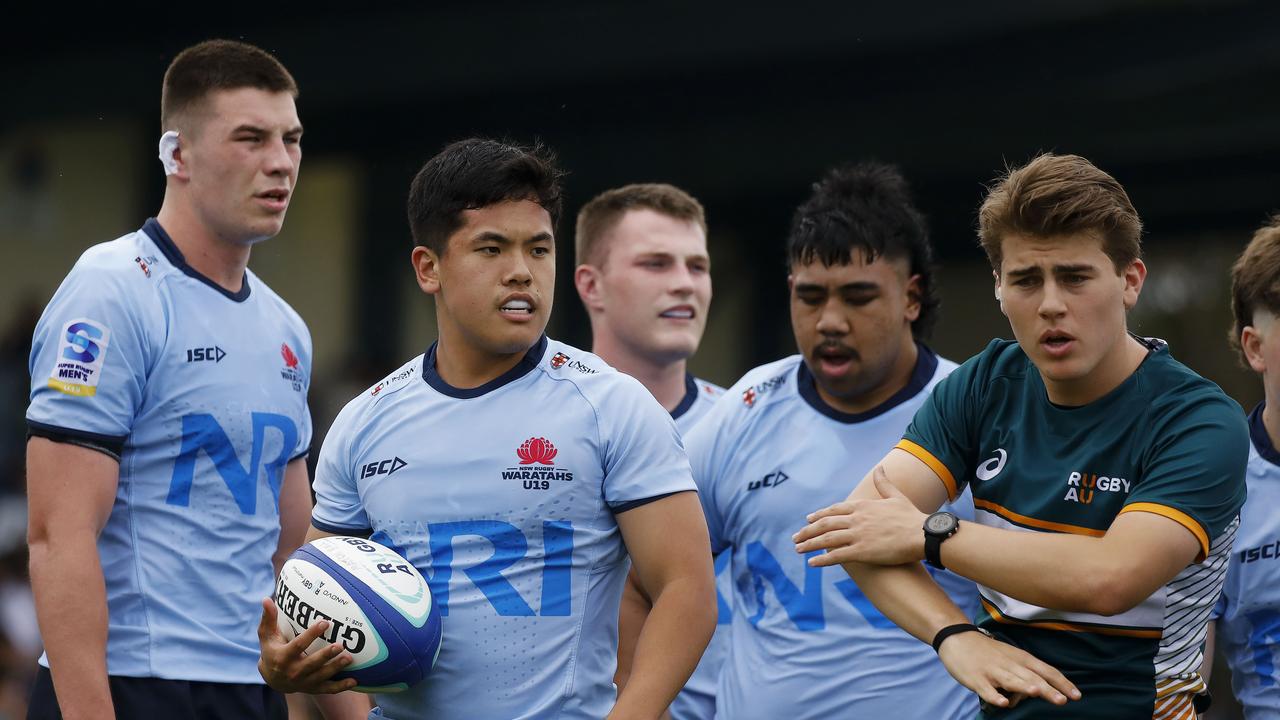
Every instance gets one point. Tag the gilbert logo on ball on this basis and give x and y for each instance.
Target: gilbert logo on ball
(378, 607)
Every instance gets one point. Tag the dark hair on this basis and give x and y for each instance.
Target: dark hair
(218, 65)
(868, 207)
(1056, 195)
(598, 217)
(1255, 280)
(475, 173)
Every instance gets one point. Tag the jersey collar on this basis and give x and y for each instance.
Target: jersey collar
(926, 366)
(174, 256)
(522, 368)
(690, 396)
(1258, 434)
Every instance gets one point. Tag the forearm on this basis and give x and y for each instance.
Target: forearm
(344, 706)
(907, 596)
(632, 613)
(1075, 573)
(671, 642)
(71, 608)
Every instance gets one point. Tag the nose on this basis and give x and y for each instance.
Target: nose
(518, 272)
(831, 321)
(1052, 302)
(278, 161)
(681, 281)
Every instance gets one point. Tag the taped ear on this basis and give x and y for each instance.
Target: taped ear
(169, 146)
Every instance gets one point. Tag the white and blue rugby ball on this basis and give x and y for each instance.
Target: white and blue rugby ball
(377, 604)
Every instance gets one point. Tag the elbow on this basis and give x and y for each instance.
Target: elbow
(1110, 592)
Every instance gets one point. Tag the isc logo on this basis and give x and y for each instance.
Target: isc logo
(381, 467)
(214, 354)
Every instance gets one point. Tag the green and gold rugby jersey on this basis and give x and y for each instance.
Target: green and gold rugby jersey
(1165, 441)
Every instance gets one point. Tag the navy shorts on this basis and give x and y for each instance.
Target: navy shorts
(153, 699)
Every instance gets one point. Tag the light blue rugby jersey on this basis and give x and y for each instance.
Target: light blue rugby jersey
(505, 497)
(1249, 609)
(205, 394)
(697, 701)
(805, 642)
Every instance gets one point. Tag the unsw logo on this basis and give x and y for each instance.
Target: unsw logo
(559, 360)
(751, 394)
(145, 263)
(773, 479)
(381, 467)
(534, 452)
(291, 371)
(393, 380)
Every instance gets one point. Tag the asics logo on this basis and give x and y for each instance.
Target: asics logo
(992, 467)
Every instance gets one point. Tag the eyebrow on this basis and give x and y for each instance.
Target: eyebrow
(860, 286)
(248, 127)
(1056, 269)
(497, 237)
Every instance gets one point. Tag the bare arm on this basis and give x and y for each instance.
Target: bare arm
(1105, 575)
(632, 612)
(671, 554)
(70, 492)
(295, 511)
(286, 667)
(999, 673)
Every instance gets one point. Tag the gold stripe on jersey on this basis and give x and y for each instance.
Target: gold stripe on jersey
(1175, 697)
(1020, 519)
(1067, 626)
(1177, 516)
(934, 464)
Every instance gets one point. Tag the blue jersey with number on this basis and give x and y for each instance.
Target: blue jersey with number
(697, 701)
(505, 496)
(1249, 609)
(202, 393)
(805, 642)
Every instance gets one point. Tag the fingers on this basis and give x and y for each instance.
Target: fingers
(839, 508)
(883, 486)
(318, 667)
(1053, 677)
(988, 694)
(267, 625)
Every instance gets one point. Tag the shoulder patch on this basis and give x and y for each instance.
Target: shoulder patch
(82, 350)
(145, 263)
(560, 360)
(391, 383)
(753, 393)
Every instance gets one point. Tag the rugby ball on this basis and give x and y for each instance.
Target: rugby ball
(377, 604)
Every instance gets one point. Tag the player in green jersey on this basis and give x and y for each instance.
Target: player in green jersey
(1107, 478)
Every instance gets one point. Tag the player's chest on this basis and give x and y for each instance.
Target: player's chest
(1032, 470)
(452, 463)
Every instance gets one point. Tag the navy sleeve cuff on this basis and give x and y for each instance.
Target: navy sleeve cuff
(633, 504)
(339, 530)
(106, 444)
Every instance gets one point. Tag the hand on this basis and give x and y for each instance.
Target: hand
(889, 531)
(288, 668)
(988, 666)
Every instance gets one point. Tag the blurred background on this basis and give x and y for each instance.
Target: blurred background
(743, 105)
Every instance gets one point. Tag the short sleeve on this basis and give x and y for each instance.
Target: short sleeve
(1194, 473)
(306, 428)
(91, 354)
(338, 506)
(643, 457)
(707, 444)
(940, 433)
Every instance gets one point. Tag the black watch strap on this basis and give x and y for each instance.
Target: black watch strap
(950, 630)
(933, 550)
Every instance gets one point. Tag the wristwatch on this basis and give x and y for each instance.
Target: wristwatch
(938, 527)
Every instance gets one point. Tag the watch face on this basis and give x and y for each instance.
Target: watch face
(940, 523)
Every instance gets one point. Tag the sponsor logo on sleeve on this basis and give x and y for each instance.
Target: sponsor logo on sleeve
(291, 372)
(78, 366)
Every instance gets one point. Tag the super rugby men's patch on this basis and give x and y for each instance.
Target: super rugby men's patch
(78, 364)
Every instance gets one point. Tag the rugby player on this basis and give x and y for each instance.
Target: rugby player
(806, 644)
(528, 472)
(168, 420)
(644, 276)
(1248, 613)
(1107, 478)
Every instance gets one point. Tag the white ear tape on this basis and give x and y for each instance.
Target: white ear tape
(168, 146)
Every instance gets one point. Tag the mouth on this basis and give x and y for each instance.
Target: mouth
(679, 312)
(1056, 342)
(834, 359)
(517, 307)
(276, 199)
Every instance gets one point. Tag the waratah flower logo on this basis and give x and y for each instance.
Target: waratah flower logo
(536, 450)
(286, 352)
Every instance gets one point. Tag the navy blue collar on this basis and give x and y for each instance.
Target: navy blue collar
(522, 368)
(1258, 434)
(174, 256)
(926, 366)
(690, 396)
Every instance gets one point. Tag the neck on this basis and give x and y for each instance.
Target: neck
(1271, 418)
(1121, 362)
(464, 366)
(219, 259)
(879, 391)
(664, 380)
